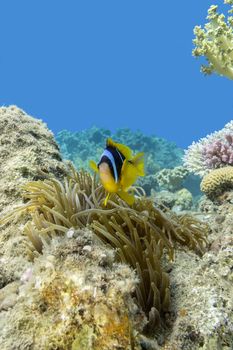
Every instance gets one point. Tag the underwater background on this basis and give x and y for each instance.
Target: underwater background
(137, 252)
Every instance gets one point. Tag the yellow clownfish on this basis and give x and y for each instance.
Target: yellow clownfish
(118, 170)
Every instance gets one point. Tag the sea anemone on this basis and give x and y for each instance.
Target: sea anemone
(140, 234)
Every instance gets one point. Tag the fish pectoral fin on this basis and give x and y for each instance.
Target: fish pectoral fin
(128, 198)
(106, 199)
(138, 162)
(125, 150)
(93, 166)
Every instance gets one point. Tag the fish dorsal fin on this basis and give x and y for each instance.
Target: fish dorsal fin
(138, 161)
(126, 151)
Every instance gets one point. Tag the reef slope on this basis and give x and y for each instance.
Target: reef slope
(74, 296)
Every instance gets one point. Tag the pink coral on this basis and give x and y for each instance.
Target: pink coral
(218, 153)
(211, 152)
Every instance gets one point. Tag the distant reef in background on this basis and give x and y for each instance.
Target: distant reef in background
(81, 146)
(163, 159)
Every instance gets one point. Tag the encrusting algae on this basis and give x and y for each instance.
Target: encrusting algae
(140, 234)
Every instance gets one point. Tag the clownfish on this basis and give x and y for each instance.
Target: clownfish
(118, 170)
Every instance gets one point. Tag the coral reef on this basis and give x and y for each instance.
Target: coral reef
(211, 152)
(184, 200)
(66, 288)
(217, 181)
(177, 201)
(171, 179)
(219, 153)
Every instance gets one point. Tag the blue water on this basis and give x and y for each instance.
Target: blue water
(111, 64)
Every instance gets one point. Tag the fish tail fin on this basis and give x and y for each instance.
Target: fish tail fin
(128, 198)
(93, 166)
(138, 162)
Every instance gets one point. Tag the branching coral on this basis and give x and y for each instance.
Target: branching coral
(172, 179)
(211, 152)
(219, 153)
(140, 233)
(215, 42)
